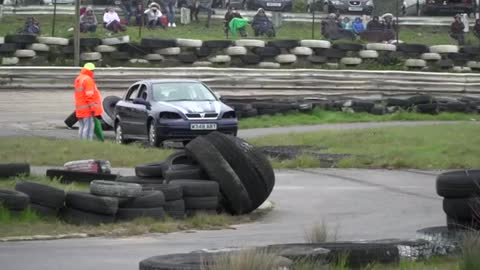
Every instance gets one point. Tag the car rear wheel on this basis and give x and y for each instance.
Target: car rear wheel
(153, 138)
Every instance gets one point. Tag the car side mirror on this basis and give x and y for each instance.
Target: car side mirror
(141, 101)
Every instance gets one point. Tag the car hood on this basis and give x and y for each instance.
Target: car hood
(193, 106)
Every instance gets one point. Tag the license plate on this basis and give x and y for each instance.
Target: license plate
(203, 126)
(274, 4)
(355, 9)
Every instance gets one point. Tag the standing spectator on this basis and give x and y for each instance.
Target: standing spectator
(389, 27)
(456, 30)
(231, 13)
(346, 24)
(203, 5)
(139, 13)
(127, 7)
(375, 24)
(170, 9)
(88, 21)
(154, 16)
(476, 28)
(262, 25)
(112, 21)
(358, 26)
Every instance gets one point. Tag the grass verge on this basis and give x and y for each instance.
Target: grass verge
(318, 116)
(451, 146)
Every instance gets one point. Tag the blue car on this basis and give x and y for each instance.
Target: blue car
(177, 110)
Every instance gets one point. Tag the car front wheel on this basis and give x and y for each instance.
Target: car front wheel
(119, 134)
(153, 138)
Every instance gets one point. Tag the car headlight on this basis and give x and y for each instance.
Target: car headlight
(369, 3)
(230, 114)
(169, 115)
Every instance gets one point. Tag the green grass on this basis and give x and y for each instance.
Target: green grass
(318, 116)
(9, 183)
(424, 147)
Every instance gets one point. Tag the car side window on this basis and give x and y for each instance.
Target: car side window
(132, 93)
(143, 92)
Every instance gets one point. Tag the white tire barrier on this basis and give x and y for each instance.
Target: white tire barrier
(250, 43)
(38, 47)
(302, 51)
(286, 58)
(415, 63)
(461, 69)
(351, 61)
(25, 53)
(105, 49)
(332, 65)
(220, 59)
(53, 41)
(2, 40)
(9, 61)
(381, 47)
(189, 43)
(431, 56)
(368, 54)
(236, 50)
(138, 61)
(116, 40)
(202, 64)
(320, 44)
(169, 51)
(473, 64)
(154, 57)
(90, 56)
(268, 65)
(444, 49)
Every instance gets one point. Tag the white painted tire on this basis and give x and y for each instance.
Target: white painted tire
(268, 65)
(431, 56)
(473, 64)
(459, 69)
(38, 47)
(302, 51)
(116, 40)
(250, 43)
(286, 58)
(351, 61)
(9, 61)
(90, 56)
(53, 41)
(444, 49)
(236, 50)
(202, 64)
(189, 43)
(368, 54)
(418, 63)
(25, 53)
(220, 59)
(138, 61)
(154, 57)
(105, 49)
(169, 51)
(381, 47)
(2, 40)
(312, 43)
(333, 65)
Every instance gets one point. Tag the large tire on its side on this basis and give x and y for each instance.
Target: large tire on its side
(220, 171)
(115, 189)
(91, 203)
(157, 43)
(42, 194)
(125, 214)
(147, 199)
(284, 44)
(154, 169)
(217, 44)
(43, 211)
(181, 171)
(78, 217)
(71, 120)
(175, 209)
(190, 261)
(109, 104)
(67, 176)
(14, 169)
(13, 200)
(171, 192)
(459, 184)
(21, 39)
(198, 188)
(348, 46)
(139, 180)
(462, 208)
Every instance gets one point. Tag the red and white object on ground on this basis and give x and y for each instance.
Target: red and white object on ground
(89, 165)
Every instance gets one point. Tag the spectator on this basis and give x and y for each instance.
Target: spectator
(375, 24)
(139, 13)
(476, 28)
(154, 16)
(333, 31)
(203, 5)
(170, 9)
(229, 15)
(88, 21)
(127, 7)
(358, 26)
(32, 26)
(456, 30)
(389, 27)
(346, 24)
(112, 21)
(262, 25)
(238, 25)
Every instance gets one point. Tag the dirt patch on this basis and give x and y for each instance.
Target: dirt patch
(290, 152)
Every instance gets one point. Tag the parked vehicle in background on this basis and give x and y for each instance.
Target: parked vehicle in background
(448, 7)
(178, 110)
(270, 5)
(349, 6)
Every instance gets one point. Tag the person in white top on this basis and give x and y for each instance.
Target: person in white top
(154, 15)
(112, 21)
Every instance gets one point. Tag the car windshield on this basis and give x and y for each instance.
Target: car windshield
(181, 91)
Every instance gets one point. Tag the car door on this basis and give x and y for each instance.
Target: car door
(126, 110)
(140, 114)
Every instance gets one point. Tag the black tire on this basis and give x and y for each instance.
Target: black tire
(21, 39)
(42, 194)
(120, 56)
(220, 171)
(43, 211)
(427, 108)
(402, 103)
(14, 200)
(187, 58)
(334, 53)
(456, 224)
(347, 46)
(71, 120)
(251, 59)
(284, 44)
(452, 107)
(125, 214)
(147, 199)
(267, 51)
(249, 113)
(154, 169)
(158, 43)
(242, 165)
(217, 44)
(179, 158)
(462, 208)
(239, 106)
(456, 59)
(315, 59)
(362, 105)
(198, 188)
(421, 99)
(79, 177)
(78, 217)
(203, 51)
(91, 203)
(190, 261)
(459, 184)
(14, 169)
(201, 203)
(68, 50)
(8, 48)
(171, 192)
(445, 64)
(87, 42)
(470, 50)
(109, 104)
(139, 180)
(412, 48)
(175, 209)
(115, 189)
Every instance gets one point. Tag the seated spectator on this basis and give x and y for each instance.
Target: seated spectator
(229, 15)
(332, 30)
(476, 28)
(457, 30)
(262, 25)
(346, 24)
(358, 26)
(238, 25)
(390, 27)
(32, 27)
(88, 21)
(154, 16)
(375, 24)
(111, 21)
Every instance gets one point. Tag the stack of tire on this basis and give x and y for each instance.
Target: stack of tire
(14, 169)
(199, 196)
(44, 200)
(461, 203)
(14, 201)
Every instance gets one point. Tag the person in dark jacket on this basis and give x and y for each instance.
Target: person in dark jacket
(331, 29)
(476, 28)
(375, 24)
(262, 25)
(88, 21)
(32, 26)
(456, 30)
(389, 27)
